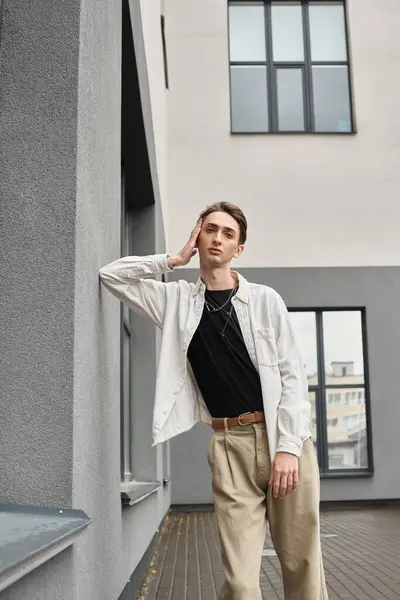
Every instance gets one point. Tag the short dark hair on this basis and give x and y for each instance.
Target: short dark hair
(232, 210)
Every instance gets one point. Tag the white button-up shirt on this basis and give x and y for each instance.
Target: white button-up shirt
(176, 307)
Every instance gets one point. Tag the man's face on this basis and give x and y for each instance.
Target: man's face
(218, 241)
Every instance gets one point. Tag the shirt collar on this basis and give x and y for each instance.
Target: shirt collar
(242, 293)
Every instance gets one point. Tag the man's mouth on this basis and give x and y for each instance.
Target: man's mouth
(215, 250)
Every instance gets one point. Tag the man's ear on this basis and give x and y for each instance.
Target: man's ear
(239, 251)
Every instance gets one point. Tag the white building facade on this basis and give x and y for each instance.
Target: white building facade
(289, 109)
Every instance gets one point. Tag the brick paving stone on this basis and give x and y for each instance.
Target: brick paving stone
(361, 550)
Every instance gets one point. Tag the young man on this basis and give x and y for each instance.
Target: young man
(229, 358)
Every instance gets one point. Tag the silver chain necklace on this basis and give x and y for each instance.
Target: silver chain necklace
(213, 309)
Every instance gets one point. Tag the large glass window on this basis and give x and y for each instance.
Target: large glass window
(332, 345)
(289, 66)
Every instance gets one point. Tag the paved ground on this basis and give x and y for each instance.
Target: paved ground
(361, 552)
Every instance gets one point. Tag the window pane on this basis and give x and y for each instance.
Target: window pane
(305, 332)
(328, 32)
(287, 33)
(313, 396)
(249, 102)
(347, 430)
(343, 349)
(331, 98)
(246, 32)
(290, 99)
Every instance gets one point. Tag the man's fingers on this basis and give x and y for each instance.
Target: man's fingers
(272, 474)
(285, 474)
(289, 483)
(191, 243)
(275, 486)
(196, 230)
(275, 481)
(283, 485)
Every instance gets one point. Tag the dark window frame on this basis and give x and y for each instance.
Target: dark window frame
(165, 55)
(321, 390)
(306, 66)
(125, 327)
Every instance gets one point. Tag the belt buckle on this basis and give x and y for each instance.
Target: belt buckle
(242, 415)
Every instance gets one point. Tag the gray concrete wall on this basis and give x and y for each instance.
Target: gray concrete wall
(106, 557)
(38, 122)
(60, 117)
(377, 289)
(96, 453)
(47, 582)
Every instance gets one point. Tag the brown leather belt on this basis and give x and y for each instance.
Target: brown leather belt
(242, 420)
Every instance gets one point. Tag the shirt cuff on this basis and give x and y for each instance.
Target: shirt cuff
(290, 445)
(160, 264)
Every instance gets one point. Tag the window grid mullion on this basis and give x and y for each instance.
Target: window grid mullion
(367, 397)
(322, 434)
(310, 120)
(127, 325)
(271, 79)
(344, 386)
(248, 63)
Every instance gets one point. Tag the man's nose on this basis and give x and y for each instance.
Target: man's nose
(217, 238)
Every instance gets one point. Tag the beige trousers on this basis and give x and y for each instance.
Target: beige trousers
(240, 466)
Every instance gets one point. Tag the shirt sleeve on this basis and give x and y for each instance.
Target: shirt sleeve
(294, 410)
(130, 280)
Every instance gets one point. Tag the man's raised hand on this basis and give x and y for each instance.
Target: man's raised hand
(188, 251)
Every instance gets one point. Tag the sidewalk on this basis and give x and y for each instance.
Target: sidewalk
(361, 553)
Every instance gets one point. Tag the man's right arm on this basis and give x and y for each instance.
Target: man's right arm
(130, 278)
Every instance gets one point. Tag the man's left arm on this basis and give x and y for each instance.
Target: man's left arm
(294, 409)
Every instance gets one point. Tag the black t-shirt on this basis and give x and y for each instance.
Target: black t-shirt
(228, 380)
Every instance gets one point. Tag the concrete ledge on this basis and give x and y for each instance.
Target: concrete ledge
(31, 535)
(136, 491)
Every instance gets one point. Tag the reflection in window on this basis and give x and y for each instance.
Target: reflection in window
(336, 460)
(338, 396)
(290, 99)
(247, 32)
(343, 347)
(305, 332)
(249, 106)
